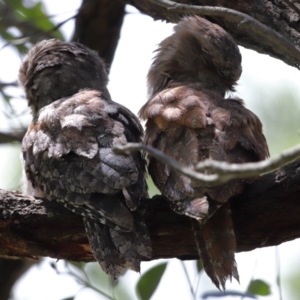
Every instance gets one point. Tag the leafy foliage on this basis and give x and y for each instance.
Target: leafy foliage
(21, 24)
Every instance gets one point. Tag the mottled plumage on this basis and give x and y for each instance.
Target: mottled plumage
(68, 155)
(189, 120)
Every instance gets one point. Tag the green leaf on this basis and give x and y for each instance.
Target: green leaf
(259, 287)
(149, 281)
(35, 16)
(69, 298)
(199, 265)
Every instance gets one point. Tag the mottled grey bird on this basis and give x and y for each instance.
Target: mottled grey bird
(68, 155)
(189, 119)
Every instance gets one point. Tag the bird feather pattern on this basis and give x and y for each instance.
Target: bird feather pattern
(189, 119)
(68, 156)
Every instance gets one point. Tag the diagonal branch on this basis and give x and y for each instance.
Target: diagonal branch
(130, 147)
(249, 170)
(222, 171)
(243, 22)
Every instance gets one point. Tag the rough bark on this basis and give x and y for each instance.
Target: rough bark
(265, 214)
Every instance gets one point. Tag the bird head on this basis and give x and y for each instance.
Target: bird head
(55, 69)
(197, 52)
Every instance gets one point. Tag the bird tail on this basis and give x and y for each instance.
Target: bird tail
(216, 244)
(118, 251)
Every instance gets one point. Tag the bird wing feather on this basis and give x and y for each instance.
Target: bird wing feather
(73, 138)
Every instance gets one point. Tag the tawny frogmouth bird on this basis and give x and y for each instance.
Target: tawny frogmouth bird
(189, 119)
(67, 151)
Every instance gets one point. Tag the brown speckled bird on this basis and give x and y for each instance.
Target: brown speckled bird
(189, 119)
(68, 155)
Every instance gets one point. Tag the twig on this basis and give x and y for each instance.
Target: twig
(222, 171)
(130, 147)
(56, 27)
(243, 21)
(25, 38)
(188, 280)
(249, 170)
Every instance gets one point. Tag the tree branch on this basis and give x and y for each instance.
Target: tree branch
(265, 214)
(203, 178)
(8, 84)
(9, 137)
(244, 22)
(222, 171)
(264, 26)
(98, 26)
(249, 170)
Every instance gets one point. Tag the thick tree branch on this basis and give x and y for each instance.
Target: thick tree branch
(255, 24)
(265, 214)
(244, 22)
(98, 26)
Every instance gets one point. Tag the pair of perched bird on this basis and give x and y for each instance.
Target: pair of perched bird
(68, 148)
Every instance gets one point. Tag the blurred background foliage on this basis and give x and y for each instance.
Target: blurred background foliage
(23, 23)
